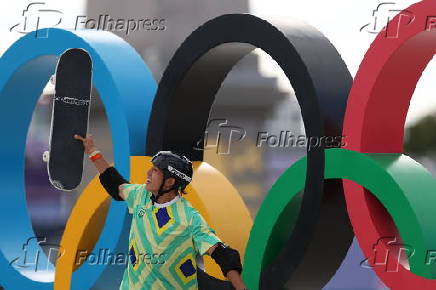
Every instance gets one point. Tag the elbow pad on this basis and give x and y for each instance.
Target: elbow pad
(110, 179)
(227, 258)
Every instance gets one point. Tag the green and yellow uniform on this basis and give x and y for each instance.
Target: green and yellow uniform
(163, 242)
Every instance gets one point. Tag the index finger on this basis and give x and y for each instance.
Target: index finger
(78, 137)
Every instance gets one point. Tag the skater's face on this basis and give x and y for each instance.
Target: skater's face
(154, 180)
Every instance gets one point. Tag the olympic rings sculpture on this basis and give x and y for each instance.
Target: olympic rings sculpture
(288, 234)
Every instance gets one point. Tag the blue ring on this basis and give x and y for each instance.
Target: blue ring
(127, 89)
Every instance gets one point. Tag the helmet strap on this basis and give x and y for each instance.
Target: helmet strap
(160, 192)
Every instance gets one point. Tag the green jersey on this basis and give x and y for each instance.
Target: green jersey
(163, 242)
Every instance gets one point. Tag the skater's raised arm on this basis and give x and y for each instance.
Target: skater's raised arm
(111, 180)
(101, 164)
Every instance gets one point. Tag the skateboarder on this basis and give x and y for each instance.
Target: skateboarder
(166, 231)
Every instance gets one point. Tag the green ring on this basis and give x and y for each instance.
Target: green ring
(403, 186)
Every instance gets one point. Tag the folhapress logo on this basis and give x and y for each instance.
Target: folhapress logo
(388, 254)
(32, 257)
(286, 139)
(381, 20)
(219, 135)
(127, 26)
(36, 16)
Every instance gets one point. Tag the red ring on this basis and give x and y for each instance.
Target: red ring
(375, 119)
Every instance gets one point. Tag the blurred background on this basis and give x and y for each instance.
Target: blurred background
(256, 97)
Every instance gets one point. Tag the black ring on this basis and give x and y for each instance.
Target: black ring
(321, 81)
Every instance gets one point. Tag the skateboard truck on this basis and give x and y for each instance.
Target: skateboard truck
(57, 184)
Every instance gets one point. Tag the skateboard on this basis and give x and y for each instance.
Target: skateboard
(70, 116)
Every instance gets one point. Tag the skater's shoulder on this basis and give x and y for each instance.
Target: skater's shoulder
(191, 210)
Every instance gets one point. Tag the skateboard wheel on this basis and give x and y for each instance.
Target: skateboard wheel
(57, 184)
(46, 156)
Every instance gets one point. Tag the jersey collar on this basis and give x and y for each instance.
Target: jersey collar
(168, 203)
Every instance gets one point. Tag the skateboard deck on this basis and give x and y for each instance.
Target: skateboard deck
(70, 116)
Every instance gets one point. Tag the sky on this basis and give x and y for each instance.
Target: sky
(339, 20)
